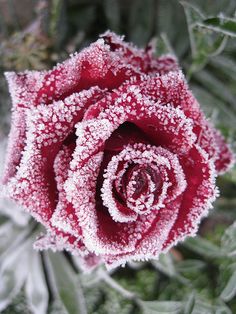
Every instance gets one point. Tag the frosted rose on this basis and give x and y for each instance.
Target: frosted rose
(111, 152)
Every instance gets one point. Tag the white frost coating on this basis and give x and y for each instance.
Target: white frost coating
(81, 183)
(60, 242)
(8, 207)
(164, 109)
(208, 192)
(63, 216)
(141, 154)
(29, 186)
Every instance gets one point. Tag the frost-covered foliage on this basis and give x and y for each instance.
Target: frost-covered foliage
(197, 276)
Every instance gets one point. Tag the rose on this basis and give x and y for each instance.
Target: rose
(111, 152)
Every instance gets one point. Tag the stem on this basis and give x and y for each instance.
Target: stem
(112, 283)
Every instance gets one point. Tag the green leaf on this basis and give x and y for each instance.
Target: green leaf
(161, 307)
(226, 65)
(214, 107)
(163, 45)
(229, 240)
(230, 289)
(203, 44)
(141, 32)
(65, 284)
(168, 15)
(36, 294)
(220, 24)
(190, 266)
(13, 271)
(112, 11)
(216, 87)
(189, 305)
(193, 15)
(165, 264)
(57, 26)
(203, 247)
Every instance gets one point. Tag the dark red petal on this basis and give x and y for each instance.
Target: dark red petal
(64, 217)
(139, 58)
(188, 209)
(58, 241)
(16, 142)
(172, 88)
(163, 64)
(150, 243)
(96, 65)
(143, 59)
(198, 196)
(162, 125)
(33, 185)
(225, 158)
(88, 262)
(100, 232)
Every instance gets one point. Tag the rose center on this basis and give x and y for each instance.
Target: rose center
(140, 179)
(139, 187)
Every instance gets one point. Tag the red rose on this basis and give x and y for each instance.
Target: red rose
(111, 152)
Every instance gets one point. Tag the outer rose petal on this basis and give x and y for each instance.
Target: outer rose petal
(64, 216)
(140, 58)
(172, 88)
(192, 206)
(95, 65)
(47, 127)
(226, 158)
(88, 262)
(58, 241)
(18, 128)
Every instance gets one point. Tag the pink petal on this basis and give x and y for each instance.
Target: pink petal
(96, 65)
(33, 185)
(20, 102)
(142, 59)
(59, 241)
(101, 234)
(198, 196)
(64, 217)
(172, 88)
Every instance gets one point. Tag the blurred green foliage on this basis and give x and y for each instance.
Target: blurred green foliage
(198, 276)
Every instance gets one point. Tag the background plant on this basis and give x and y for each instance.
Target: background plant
(197, 276)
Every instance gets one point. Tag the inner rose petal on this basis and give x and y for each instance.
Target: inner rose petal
(142, 182)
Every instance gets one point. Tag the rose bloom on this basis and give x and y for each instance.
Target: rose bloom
(111, 153)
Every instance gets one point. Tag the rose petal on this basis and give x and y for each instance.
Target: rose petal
(172, 88)
(150, 244)
(198, 196)
(101, 234)
(64, 217)
(20, 100)
(143, 59)
(192, 206)
(47, 127)
(59, 241)
(95, 65)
